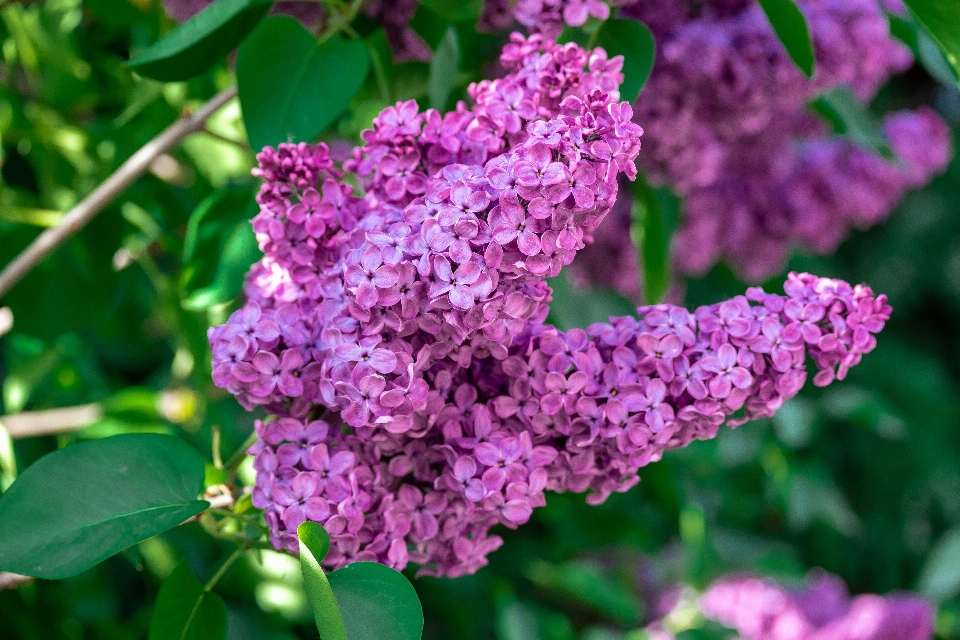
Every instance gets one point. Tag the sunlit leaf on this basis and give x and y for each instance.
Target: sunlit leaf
(314, 544)
(634, 41)
(791, 27)
(292, 86)
(941, 19)
(443, 70)
(185, 610)
(80, 505)
(201, 41)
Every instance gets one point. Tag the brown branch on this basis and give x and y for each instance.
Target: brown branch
(40, 423)
(48, 241)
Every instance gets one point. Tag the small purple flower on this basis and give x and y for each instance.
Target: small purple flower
(723, 363)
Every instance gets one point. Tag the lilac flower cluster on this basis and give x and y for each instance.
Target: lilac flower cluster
(727, 111)
(823, 610)
(550, 16)
(395, 330)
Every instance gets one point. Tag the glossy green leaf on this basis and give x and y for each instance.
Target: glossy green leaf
(940, 578)
(850, 118)
(314, 544)
(634, 41)
(80, 505)
(291, 86)
(574, 308)
(185, 610)
(377, 603)
(198, 43)
(654, 216)
(443, 70)
(941, 19)
(218, 249)
(791, 27)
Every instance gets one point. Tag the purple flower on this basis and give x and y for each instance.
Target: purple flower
(301, 501)
(723, 363)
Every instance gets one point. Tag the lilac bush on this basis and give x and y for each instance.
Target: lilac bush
(729, 130)
(823, 610)
(395, 326)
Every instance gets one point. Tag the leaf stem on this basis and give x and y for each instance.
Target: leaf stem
(240, 517)
(233, 463)
(223, 569)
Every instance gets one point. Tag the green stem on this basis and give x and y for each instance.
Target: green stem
(380, 75)
(339, 22)
(223, 569)
(240, 517)
(237, 458)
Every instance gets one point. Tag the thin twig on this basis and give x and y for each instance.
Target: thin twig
(127, 174)
(40, 423)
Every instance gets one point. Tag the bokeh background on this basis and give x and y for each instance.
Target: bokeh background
(861, 479)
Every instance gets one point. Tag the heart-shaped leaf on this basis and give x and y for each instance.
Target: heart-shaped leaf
(80, 505)
(198, 43)
(185, 610)
(291, 86)
(941, 19)
(634, 41)
(791, 27)
(314, 544)
(377, 603)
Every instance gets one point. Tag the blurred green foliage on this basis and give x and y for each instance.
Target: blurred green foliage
(862, 479)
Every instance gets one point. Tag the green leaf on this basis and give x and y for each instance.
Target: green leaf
(940, 578)
(443, 70)
(791, 27)
(455, 10)
(654, 217)
(218, 249)
(850, 118)
(940, 19)
(574, 308)
(634, 41)
(185, 610)
(291, 86)
(314, 544)
(584, 582)
(194, 46)
(80, 505)
(377, 603)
